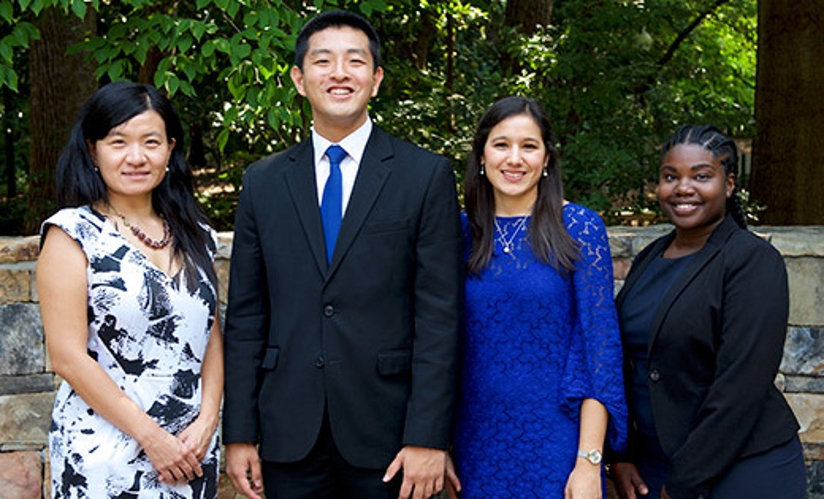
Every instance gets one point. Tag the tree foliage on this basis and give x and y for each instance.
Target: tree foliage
(616, 76)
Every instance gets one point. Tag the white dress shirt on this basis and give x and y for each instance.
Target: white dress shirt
(354, 144)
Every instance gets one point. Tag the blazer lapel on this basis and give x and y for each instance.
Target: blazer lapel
(300, 179)
(372, 175)
(713, 245)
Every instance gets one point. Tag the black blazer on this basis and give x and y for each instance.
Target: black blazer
(714, 350)
(371, 337)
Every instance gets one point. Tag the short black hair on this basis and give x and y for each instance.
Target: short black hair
(336, 19)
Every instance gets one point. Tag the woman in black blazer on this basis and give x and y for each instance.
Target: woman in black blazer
(703, 316)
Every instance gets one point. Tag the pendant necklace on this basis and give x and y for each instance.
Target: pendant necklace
(508, 244)
(167, 232)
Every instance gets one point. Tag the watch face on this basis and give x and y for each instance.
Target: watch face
(595, 457)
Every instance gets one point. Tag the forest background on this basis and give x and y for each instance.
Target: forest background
(616, 76)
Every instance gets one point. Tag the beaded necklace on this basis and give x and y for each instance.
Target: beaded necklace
(148, 241)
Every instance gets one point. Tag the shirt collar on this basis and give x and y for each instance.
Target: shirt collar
(354, 144)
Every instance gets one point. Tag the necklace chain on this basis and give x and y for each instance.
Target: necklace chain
(148, 241)
(508, 244)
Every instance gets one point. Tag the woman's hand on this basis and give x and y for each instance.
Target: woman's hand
(584, 482)
(197, 437)
(173, 460)
(628, 481)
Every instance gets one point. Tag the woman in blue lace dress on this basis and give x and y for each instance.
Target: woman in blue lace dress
(128, 297)
(541, 385)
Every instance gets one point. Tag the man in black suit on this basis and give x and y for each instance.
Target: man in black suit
(344, 296)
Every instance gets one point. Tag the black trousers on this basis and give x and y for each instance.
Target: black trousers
(776, 473)
(325, 474)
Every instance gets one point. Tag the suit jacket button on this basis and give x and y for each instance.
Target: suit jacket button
(654, 375)
(320, 362)
(328, 311)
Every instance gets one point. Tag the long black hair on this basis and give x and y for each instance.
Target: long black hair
(549, 239)
(723, 149)
(79, 183)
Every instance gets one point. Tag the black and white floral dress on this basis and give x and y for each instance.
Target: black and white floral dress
(149, 332)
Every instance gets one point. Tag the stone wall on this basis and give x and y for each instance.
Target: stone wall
(27, 383)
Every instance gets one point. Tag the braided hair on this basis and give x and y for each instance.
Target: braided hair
(723, 149)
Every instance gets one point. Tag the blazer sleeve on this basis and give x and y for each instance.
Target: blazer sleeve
(753, 325)
(247, 322)
(438, 298)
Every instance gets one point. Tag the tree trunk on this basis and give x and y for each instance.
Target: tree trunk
(8, 147)
(788, 153)
(60, 84)
(527, 15)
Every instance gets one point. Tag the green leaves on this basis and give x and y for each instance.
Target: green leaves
(599, 68)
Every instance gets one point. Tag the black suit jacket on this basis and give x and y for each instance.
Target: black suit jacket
(714, 350)
(371, 337)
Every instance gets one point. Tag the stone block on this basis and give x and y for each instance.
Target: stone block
(20, 475)
(224, 245)
(803, 384)
(47, 486)
(803, 352)
(22, 349)
(32, 383)
(25, 419)
(796, 241)
(806, 279)
(19, 249)
(815, 480)
(813, 451)
(15, 285)
(620, 242)
(222, 270)
(35, 298)
(809, 410)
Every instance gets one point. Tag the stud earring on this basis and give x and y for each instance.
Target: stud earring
(545, 173)
(483, 172)
(167, 169)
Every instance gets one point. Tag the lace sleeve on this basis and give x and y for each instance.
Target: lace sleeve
(593, 365)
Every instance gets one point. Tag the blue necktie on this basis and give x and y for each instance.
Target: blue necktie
(332, 202)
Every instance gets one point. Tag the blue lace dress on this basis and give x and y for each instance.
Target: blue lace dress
(149, 332)
(535, 345)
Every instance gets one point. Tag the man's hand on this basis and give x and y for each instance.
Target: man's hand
(453, 483)
(243, 468)
(628, 481)
(423, 471)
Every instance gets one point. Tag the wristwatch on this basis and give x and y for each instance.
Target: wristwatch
(594, 456)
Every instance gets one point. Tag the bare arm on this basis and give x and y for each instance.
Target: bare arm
(62, 287)
(198, 436)
(585, 480)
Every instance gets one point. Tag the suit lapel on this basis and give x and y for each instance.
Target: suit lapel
(714, 244)
(372, 175)
(300, 179)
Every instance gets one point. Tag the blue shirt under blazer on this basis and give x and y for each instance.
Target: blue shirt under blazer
(714, 350)
(372, 335)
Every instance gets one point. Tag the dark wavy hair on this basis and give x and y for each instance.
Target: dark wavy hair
(337, 19)
(79, 183)
(549, 239)
(723, 149)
